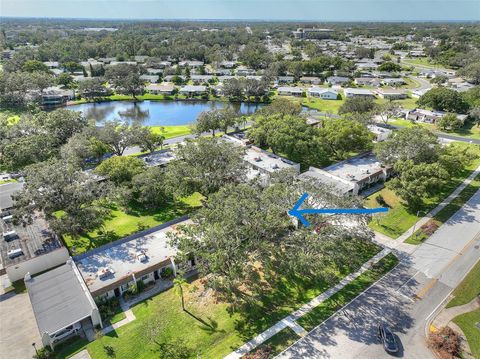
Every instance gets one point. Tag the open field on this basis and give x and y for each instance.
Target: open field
(424, 62)
(468, 323)
(207, 327)
(469, 130)
(172, 131)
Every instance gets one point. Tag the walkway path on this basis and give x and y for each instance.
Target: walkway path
(384, 239)
(130, 317)
(290, 321)
(447, 314)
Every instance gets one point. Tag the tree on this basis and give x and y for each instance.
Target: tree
(64, 80)
(126, 79)
(120, 169)
(340, 137)
(119, 136)
(281, 106)
(390, 67)
(68, 197)
(148, 188)
(204, 165)
(387, 110)
(474, 115)
(92, 88)
(179, 282)
(82, 148)
(207, 121)
(449, 121)
(233, 89)
(471, 72)
(417, 181)
(289, 135)
(417, 144)
(61, 124)
(149, 141)
(34, 66)
(443, 99)
(176, 349)
(249, 243)
(357, 105)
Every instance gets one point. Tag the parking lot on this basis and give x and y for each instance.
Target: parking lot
(18, 328)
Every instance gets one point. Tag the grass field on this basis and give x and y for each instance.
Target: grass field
(121, 224)
(208, 327)
(469, 322)
(327, 106)
(399, 217)
(470, 130)
(172, 131)
(423, 61)
(449, 210)
(468, 289)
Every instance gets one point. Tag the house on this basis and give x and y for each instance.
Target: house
(428, 116)
(222, 79)
(323, 93)
(200, 79)
(285, 80)
(55, 96)
(157, 158)
(192, 90)
(228, 64)
(150, 78)
(116, 63)
(290, 91)
(51, 64)
(380, 133)
(310, 80)
(192, 64)
(169, 78)
(352, 176)
(419, 93)
(393, 81)
(160, 89)
(391, 94)
(353, 92)
(416, 53)
(338, 80)
(110, 270)
(26, 249)
(244, 71)
(62, 305)
(367, 81)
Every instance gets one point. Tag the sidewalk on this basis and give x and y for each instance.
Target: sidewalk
(441, 206)
(447, 314)
(289, 321)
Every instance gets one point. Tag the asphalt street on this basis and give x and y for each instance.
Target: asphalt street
(406, 298)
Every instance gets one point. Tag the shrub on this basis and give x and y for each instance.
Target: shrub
(429, 228)
(167, 272)
(44, 353)
(261, 353)
(140, 286)
(445, 342)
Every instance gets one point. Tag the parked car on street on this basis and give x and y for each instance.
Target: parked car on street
(388, 339)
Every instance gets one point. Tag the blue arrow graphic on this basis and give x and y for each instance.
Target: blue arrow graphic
(296, 212)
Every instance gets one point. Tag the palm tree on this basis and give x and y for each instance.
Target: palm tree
(178, 282)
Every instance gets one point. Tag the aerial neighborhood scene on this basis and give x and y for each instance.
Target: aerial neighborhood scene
(239, 179)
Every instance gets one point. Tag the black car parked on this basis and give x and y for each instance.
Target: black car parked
(388, 339)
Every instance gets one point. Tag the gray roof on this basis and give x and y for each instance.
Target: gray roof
(6, 192)
(59, 298)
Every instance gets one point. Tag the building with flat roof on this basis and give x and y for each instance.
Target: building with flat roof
(158, 158)
(338, 185)
(110, 270)
(357, 92)
(62, 304)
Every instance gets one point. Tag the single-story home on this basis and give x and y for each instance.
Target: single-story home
(62, 304)
(150, 78)
(367, 81)
(193, 64)
(285, 80)
(357, 92)
(310, 80)
(323, 93)
(391, 94)
(160, 89)
(393, 81)
(380, 133)
(428, 116)
(200, 79)
(290, 91)
(192, 90)
(337, 80)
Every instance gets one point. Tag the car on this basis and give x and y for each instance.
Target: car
(388, 339)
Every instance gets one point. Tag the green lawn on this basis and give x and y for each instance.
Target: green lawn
(121, 224)
(469, 130)
(280, 341)
(7, 181)
(172, 131)
(209, 328)
(469, 323)
(409, 103)
(399, 217)
(328, 106)
(423, 61)
(350, 291)
(468, 289)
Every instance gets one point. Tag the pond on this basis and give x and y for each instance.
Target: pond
(155, 113)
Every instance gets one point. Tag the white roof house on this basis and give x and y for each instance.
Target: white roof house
(324, 93)
(290, 91)
(193, 90)
(356, 92)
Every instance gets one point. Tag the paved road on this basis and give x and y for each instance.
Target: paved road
(405, 298)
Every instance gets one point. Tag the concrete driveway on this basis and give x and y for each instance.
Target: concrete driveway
(18, 328)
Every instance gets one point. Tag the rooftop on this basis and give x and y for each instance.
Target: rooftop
(21, 243)
(357, 168)
(158, 158)
(267, 161)
(6, 192)
(59, 298)
(119, 260)
(338, 185)
(358, 91)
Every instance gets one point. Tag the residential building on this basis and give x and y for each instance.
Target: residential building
(201, 79)
(338, 80)
(228, 64)
(310, 80)
(393, 81)
(150, 78)
(391, 94)
(55, 96)
(323, 93)
(160, 89)
(158, 158)
(62, 304)
(367, 81)
(290, 91)
(244, 71)
(192, 90)
(51, 64)
(110, 270)
(357, 92)
(285, 80)
(428, 116)
(192, 64)
(419, 93)
(380, 133)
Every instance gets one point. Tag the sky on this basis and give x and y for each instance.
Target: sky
(317, 10)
